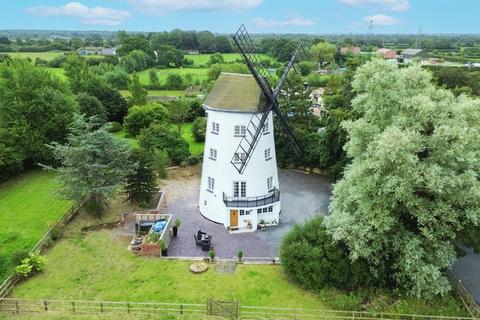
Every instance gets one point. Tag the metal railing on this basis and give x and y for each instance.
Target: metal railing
(250, 202)
(213, 309)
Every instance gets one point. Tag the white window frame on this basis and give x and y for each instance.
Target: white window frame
(239, 157)
(239, 189)
(268, 154)
(211, 184)
(239, 130)
(213, 154)
(215, 127)
(269, 183)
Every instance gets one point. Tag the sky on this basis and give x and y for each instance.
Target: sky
(260, 16)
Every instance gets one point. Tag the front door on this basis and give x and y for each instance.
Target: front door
(233, 218)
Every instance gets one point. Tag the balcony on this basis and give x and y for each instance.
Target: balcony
(250, 202)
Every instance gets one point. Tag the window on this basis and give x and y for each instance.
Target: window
(242, 212)
(240, 189)
(213, 154)
(265, 127)
(259, 211)
(211, 184)
(239, 157)
(240, 130)
(248, 212)
(205, 202)
(215, 127)
(267, 154)
(270, 209)
(269, 183)
(264, 210)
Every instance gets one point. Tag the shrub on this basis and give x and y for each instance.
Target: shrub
(192, 160)
(140, 117)
(311, 257)
(199, 128)
(18, 256)
(117, 78)
(91, 106)
(318, 80)
(57, 61)
(56, 231)
(174, 81)
(30, 265)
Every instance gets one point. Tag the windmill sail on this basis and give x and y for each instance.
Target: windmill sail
(256, 124)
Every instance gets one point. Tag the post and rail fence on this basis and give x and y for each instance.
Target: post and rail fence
(8, 284)
(213, 309)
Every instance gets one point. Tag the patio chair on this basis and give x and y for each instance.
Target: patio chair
(198, 241)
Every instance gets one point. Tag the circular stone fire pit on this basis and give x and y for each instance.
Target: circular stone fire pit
(198, 267)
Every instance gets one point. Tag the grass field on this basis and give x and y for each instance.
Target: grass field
(49, 55)
(199, 74)
(28, 204)
(122, 135)
(97, 266)
(194, 146)
(202, 59)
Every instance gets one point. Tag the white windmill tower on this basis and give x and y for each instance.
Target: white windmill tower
(239, 132)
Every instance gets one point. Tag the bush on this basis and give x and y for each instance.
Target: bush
(18, 256)
(318, 80)
(91, 106)
(306, 67)
(199, 128)
(115, 126)
(192, 160)
(118, 78)
(310, 257)
(164, 137)
(30, 265)
(174, 81)
(11, 161)
(140, 117)
(57, 61)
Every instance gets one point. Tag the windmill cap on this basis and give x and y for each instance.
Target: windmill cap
(236, 93)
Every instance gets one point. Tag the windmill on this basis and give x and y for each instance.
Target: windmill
(255, 126)
(239, 185)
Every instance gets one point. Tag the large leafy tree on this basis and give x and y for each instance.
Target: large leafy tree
(323, 52)
(35, 109)
(93, 162)
(413, 182)
(140, 117)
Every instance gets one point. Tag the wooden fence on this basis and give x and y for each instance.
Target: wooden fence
(8, 284)
(468, 301)
(213, 309)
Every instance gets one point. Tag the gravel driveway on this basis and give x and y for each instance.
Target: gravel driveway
(303, 196)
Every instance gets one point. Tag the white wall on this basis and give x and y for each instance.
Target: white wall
(224, 173)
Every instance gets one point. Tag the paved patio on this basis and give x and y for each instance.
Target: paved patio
(303, 196)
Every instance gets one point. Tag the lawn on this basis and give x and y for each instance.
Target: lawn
(96, 265)
(202, 59)
(28, 204)
(194, 146)
(48, 55)
(122, 135)
(199, 74)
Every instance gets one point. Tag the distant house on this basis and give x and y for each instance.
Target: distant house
(387, 53)
(108, 51)
(409, 54)
(350, 49)
(192, 52)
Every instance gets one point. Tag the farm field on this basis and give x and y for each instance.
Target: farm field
(48, 55)
(28, 204)
(202, 59)
(194, 146)
(199, 74)
(79, 268)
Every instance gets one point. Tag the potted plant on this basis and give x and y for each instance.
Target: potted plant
(240, 256)
(262, 224)
(211, 254)
(176, 226)
(163, 248)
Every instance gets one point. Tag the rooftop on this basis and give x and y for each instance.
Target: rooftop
(235, 92)
(411, 52)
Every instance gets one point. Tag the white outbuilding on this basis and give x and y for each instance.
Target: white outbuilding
(239, 201)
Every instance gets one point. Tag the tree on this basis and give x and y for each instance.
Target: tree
(222, 44)
(311, 257)
(206, 42)
(117, 78)
(135, 61)
(141, 183)
(93, 162)
(91, 106)
(179, 109)
(77, 72)
(139, 93)
(413, 182)
(199, 129)
(35, 109)
(134, 42)
(140, 117)
(174, 81)
(215, 58)
(164, 137)
(168, 56)
(11, 162)
(152, 74)
(323, 52)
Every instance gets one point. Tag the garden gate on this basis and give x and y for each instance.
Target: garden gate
(228, 309)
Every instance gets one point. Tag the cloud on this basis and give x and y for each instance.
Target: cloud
(87, 15)
(293, 21)
(388, 5)
(166, 6)
(382, 20)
